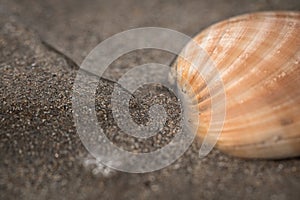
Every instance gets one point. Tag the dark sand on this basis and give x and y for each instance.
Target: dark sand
(41, 155)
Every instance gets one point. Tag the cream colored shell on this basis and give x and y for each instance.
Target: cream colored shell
(257, 56)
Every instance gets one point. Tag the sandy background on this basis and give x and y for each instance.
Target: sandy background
(42, 157)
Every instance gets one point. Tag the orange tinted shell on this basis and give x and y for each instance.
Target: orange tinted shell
(257, 56)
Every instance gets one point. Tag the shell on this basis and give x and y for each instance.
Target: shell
(257, 57)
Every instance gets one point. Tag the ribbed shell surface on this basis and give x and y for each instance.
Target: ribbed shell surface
(257, 57)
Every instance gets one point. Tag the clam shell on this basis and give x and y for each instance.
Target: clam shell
(257, 56)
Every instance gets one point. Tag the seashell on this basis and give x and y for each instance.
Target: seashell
(257, 57)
